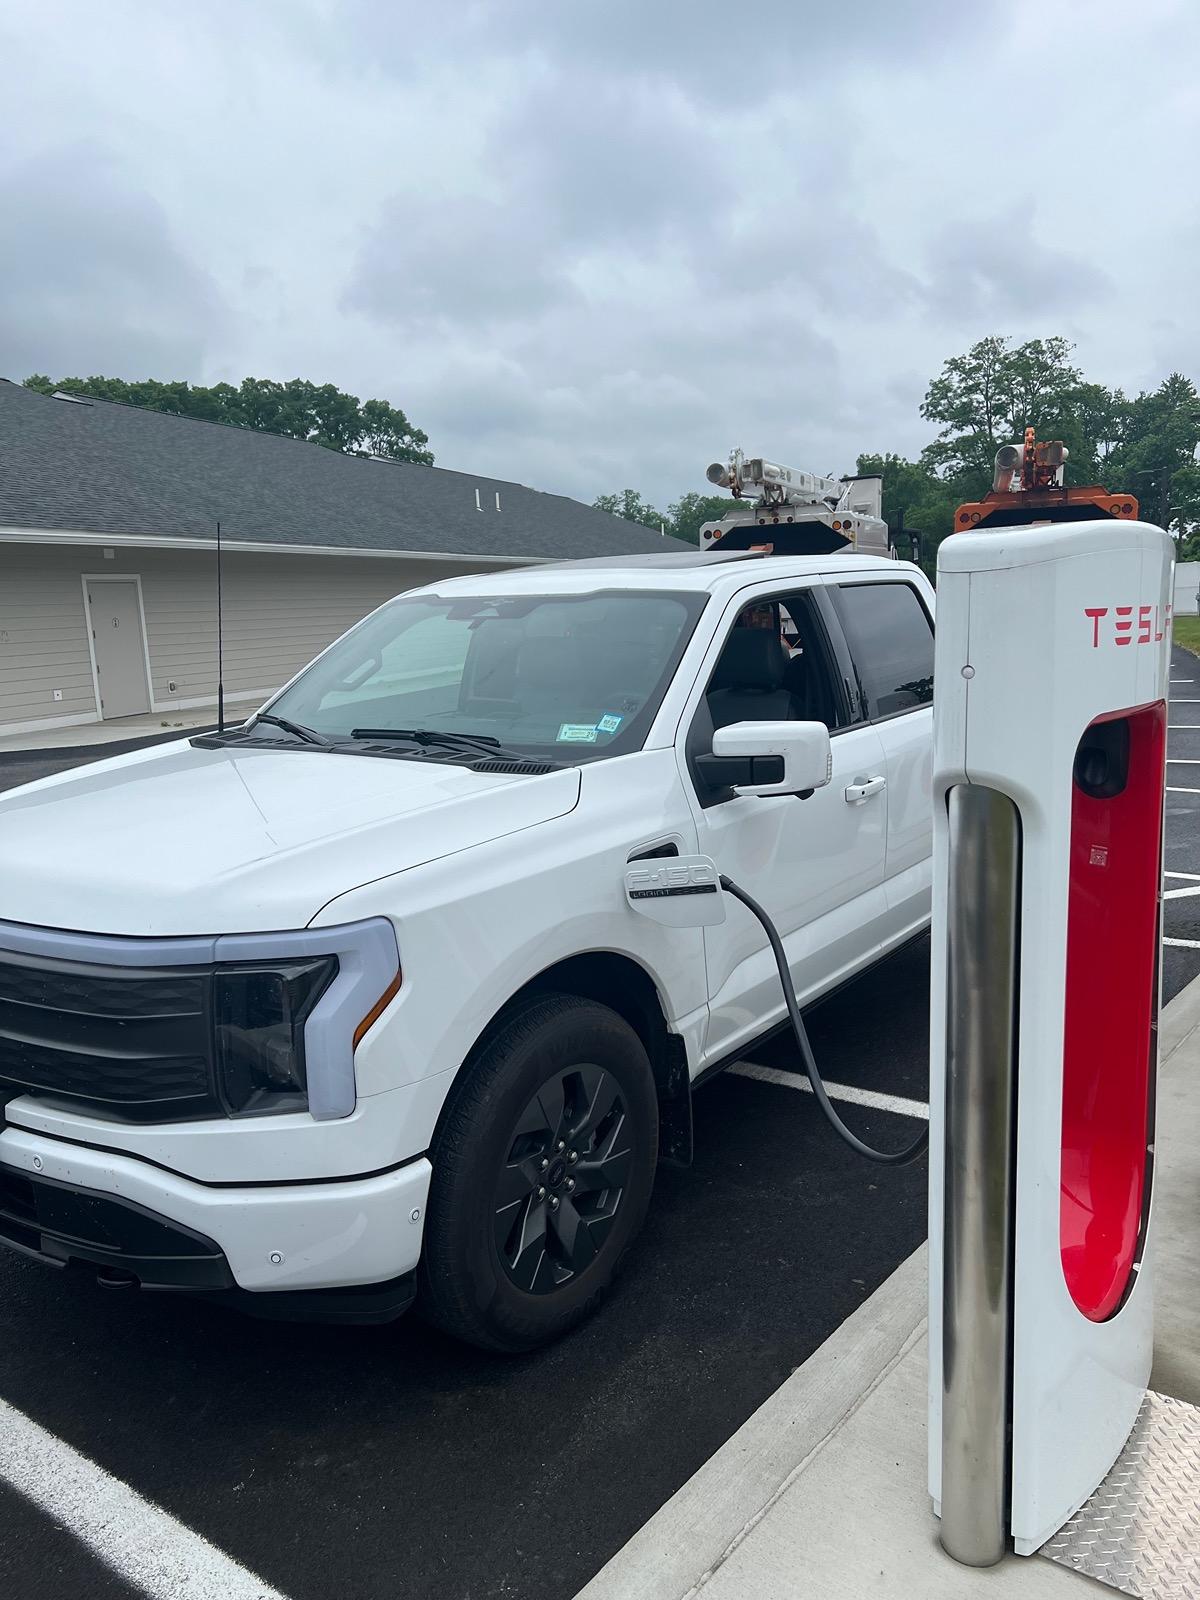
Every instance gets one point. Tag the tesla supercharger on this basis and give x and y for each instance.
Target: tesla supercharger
(1049, 749)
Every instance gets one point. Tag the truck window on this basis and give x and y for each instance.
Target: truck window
(788, 678)
(776, 665)
(570, 677)
(890, 637)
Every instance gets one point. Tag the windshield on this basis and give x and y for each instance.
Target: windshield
(565, 677)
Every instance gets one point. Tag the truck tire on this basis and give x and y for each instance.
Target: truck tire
(543, 1167)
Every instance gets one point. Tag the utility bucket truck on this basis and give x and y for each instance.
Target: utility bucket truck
(1029, 488)
(796, 513)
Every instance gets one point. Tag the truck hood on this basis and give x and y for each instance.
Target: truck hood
(176, 840)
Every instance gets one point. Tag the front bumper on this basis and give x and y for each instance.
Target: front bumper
(268, 1245)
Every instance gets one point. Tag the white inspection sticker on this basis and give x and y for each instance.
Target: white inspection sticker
(577, 733)
(609, 723)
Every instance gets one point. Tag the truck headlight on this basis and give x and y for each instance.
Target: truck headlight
(259, 1014)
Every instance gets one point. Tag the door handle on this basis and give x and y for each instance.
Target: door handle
(863, 789)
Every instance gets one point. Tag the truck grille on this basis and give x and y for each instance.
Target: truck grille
(133, 1043)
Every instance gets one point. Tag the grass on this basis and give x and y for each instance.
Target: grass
(1185, 631)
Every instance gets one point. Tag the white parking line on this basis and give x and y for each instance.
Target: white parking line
(137, 1539)
(1183, 761)
(1170, 790)
(1193, 877)
(836, 1091)
(1184, 944)
(1181, 894)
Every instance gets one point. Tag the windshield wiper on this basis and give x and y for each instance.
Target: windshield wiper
(480, 741)
(296, 729)
(452, 741)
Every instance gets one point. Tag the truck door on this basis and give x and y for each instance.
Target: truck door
(817, 865)
(889, 639)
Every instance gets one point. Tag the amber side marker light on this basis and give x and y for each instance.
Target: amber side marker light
(377, 1010)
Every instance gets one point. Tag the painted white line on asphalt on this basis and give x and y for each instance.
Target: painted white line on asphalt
(1184, 944)
(1182, 727)
(1170, 790)
(1193, 877)
(836, 1091)
(1183, 761)
(134, 1537)
(1183, 700)
(1181, 894)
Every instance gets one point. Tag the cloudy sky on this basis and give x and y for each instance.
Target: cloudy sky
(595, 243)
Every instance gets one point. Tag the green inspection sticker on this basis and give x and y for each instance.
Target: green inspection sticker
(609, 723)
(576, 733)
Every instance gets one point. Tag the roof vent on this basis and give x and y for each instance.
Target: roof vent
(71, 399)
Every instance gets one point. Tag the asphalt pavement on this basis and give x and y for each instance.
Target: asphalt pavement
(392, 1462)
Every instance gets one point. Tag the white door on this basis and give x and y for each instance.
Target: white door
(817, 865)
(119, 651)
(889, 635)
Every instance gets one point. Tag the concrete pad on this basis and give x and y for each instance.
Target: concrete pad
(857, 1521)
(1176, 1220)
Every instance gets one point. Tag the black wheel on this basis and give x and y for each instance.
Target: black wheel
(543, 1167)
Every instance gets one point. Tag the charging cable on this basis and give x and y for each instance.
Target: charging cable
(887, 1158)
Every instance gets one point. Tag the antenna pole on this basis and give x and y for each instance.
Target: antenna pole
(220, 643)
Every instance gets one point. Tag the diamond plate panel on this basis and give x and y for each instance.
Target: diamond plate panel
(1140, 1531)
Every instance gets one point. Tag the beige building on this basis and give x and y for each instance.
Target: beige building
(108, 573)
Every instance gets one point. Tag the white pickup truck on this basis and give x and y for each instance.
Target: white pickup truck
(352, 1004)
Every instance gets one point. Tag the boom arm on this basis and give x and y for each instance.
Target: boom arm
(820, 513)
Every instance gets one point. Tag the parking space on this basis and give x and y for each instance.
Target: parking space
(37, 1556)
(391, 1462)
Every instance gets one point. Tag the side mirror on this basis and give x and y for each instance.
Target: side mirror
(762, 758)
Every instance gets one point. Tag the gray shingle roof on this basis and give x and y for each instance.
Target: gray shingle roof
(106, 468)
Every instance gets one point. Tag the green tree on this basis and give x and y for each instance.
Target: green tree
(686, 517)
(1092, 430)
(906, 484)
(915, 500)
(1156, 457)
(990, 395)
(299, 409)
(630, 505)
(388, 432)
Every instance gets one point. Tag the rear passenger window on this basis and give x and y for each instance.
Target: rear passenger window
(891, 640)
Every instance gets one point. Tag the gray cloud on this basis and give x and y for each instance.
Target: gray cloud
(459, 259)
(90, 266)
(999, 270)
(593, 243)
(762, 45)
